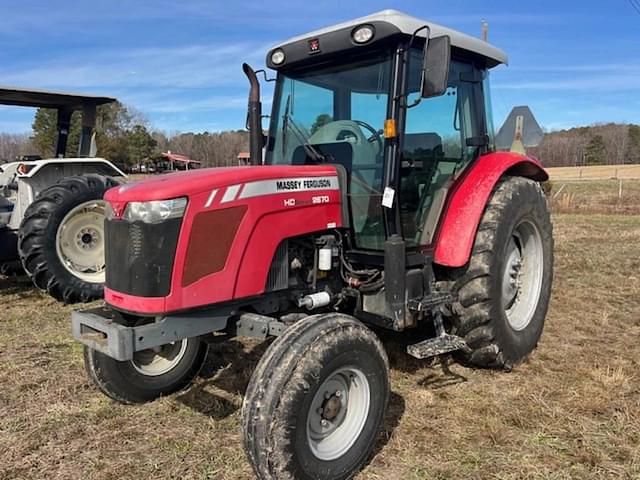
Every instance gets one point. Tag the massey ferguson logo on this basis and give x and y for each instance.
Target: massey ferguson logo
(309, 184)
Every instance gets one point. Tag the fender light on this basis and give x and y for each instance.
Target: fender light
(155, 211)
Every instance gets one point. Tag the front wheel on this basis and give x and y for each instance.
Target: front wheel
(316, 402)
(151, 374)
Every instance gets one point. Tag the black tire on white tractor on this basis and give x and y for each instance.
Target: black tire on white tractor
(504, 290)
(316, 401)
(61, 238)
(11, 269)
(151, 374)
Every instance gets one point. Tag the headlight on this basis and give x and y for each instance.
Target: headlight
(155, 211)
(277, 57)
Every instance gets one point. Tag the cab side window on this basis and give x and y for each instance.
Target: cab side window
(435, 149)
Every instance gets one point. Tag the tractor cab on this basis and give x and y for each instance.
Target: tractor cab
(402, 104)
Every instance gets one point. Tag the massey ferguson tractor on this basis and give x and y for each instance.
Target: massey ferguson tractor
(51, 210)
(381, 202)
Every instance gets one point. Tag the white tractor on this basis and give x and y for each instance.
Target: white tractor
(51, 210)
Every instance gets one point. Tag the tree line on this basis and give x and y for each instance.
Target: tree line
(600, 144)
(123, 136)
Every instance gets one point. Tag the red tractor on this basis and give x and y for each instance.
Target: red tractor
(380, 201)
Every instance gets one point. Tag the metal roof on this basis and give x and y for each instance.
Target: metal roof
(408, 24)
(23, 97)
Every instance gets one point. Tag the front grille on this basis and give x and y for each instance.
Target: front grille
(278, 278)
(139, 256)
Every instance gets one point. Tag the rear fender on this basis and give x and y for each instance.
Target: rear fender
(468, 199)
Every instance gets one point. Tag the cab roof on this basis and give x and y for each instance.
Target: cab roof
(408, 24)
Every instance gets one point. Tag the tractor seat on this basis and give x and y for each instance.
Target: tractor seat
(421, 154)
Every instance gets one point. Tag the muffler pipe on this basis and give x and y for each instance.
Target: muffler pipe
(254, 117)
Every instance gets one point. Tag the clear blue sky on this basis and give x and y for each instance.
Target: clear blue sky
(179, 62)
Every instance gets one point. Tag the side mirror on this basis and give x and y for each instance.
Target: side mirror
(435, 67)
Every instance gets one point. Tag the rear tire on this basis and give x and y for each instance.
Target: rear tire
(295, 423)
(149, 375)
(504, 290)
(48, 261)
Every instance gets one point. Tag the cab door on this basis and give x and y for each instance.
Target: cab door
(441, 138)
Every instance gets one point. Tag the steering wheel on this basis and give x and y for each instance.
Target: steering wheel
(340, 130)
(376, 135)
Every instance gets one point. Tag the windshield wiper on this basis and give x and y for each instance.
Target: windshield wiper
(288, 123)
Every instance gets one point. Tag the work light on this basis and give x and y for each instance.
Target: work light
(362, 34)
(277, 57)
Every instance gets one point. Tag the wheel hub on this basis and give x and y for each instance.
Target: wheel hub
(80, 241)
(332, 406)
(160, 360)
(88, 238)
(338, 412)
(522, 278)
(511, 282)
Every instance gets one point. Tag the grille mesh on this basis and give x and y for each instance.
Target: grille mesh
(278, 278)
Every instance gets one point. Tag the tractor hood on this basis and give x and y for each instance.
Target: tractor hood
(190, 183)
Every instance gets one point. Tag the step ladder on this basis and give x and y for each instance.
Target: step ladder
(438, 345)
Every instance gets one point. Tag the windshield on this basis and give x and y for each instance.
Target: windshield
(336, 114)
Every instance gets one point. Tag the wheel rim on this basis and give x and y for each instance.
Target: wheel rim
(522, 278)
(158, 361)
(80, 241)
(338, 413)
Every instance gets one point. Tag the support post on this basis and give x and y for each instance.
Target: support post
(88, 122)
(64, 124)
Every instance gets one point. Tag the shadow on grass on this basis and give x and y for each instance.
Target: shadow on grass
(446, 377)
(395, 411)
(15, 285)
(227, 367)
(438, 370)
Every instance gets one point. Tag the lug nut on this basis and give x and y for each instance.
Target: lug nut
(338, 393)
(324, 423)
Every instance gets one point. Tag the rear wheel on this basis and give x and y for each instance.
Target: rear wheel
(151, 374)
(61, 240)
(504, 291)
(316, 402)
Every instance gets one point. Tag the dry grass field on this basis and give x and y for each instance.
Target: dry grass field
(571, 411)
(595, 172)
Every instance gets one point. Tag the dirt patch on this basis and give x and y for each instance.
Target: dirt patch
(571, 411)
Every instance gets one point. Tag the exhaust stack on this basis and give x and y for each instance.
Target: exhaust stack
(254, 117)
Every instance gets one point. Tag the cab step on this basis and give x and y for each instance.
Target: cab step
(432, 347)
(442, 343)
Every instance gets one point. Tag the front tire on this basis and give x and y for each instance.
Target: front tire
(316, 401)
(150, 375)
(61, 239)
(504, 291)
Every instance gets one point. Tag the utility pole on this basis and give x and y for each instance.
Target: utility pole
(485, 30)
